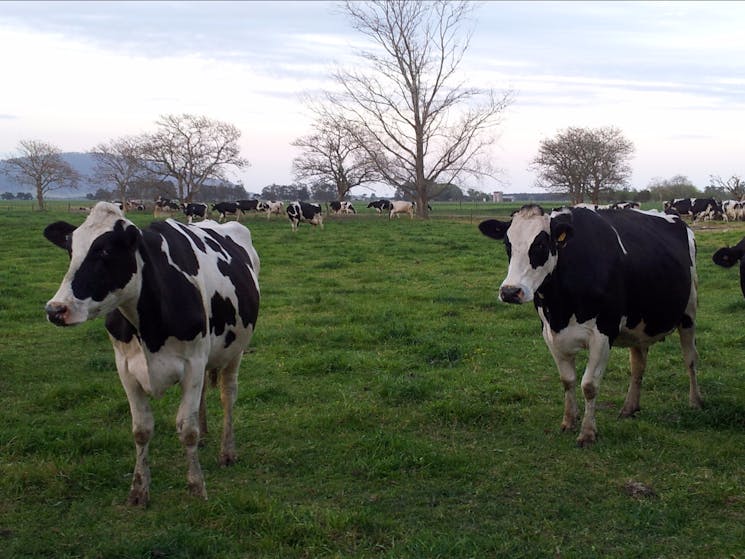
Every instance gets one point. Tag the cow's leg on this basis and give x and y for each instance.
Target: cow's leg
(690, 356)
(228, 394)
(568, 375)
(597, 360)
(638, 363)
(128, 356)
(187, 424)
(203, 414)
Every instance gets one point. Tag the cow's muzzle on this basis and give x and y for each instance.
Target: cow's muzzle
(511, 294)
(57, 313)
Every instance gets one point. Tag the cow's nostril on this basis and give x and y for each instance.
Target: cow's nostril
(510, 294)
(56, 313)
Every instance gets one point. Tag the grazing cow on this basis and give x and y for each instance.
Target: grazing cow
(625, 206)
(342, 207)
(380, 206)
(179, 300)
(224, 208)
(697, 208)
(726, 257)
(733, 210)
(195, 209)
(401, 207)
(165, 207)
(249, 205)
(600, 279)
(271, 207)
(303, 211)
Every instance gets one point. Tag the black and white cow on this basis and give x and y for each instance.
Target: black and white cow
(180, 300)
(248, 205)
(195, 209)
(600, 279)
(380, 205)
(341, 207)
(224, 208)
(304, 211)
(726, 257)
(399, 207)
(697, 208)
(624, 206)
(165, 207)
(271, 207)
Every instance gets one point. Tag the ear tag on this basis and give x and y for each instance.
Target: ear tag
(561, 237)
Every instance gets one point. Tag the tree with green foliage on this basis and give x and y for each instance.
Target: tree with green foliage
(678, 186)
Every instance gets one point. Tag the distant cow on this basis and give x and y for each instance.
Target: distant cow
(165, 206)
(342, 207)
(624, 206)
(401, 207)
(271, 207)
(733, 210)
(727, 257)
(195, 209)
(179, 300)
(248, 205)
(600, 279)
(224, 208)
(697, 208)
(380, 205)
(304, 211)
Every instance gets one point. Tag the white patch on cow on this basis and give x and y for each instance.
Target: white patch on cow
(526, 225)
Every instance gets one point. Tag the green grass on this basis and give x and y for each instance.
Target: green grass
(390, 407)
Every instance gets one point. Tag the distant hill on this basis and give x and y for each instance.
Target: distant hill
(83, 163)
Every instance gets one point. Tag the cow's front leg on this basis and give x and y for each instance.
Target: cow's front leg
(128, 356)
(568, 375)
(597, 360)
(187, 424)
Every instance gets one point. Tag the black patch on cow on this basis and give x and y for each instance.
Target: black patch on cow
(214, 245)
(198, 242)
(229, 338)
(539, 250)
(236, 270)
(119, 327)
(222, 313)
(178, 246)
(108, 265)
(169, 305)
(593, 278)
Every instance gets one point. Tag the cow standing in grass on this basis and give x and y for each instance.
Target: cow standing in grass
(179, 300)
(600, 279)
(298, 212)
(399, 207)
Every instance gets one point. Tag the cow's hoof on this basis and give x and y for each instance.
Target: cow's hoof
(138, 497)
(629, 412)
(567, 425)
(198, 489)
(228, 459)
(586, 440)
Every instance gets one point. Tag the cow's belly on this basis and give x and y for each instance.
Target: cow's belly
(571, 339)
(635, 337)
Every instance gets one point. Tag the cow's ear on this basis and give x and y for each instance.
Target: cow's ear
(561, 232)
(131, 236)
(60, 234)
(494, 228)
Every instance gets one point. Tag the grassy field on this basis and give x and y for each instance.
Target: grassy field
(390, 407)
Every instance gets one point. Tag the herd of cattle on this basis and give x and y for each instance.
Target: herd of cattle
(181, 301)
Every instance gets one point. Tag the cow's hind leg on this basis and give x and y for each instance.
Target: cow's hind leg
(228, 394)
(690, 356)
(638, 363)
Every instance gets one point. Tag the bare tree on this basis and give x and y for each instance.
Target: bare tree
(119, 162)
(734, 185)
(192, 149)
(332, 155)
(584, 162)
(406, 104)
(40, 165)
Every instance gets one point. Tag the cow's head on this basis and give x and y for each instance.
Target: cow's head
(532, 240)
(102, 265)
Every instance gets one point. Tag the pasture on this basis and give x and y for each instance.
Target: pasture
(390, 407)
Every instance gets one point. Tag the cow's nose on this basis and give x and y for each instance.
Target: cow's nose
(56, 313)
(511, 294)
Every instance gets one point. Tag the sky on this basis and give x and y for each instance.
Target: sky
(669, 75)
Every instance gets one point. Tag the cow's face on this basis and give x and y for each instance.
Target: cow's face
(531, 241)
(102, 265)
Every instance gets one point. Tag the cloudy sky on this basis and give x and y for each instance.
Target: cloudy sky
(670, 75)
